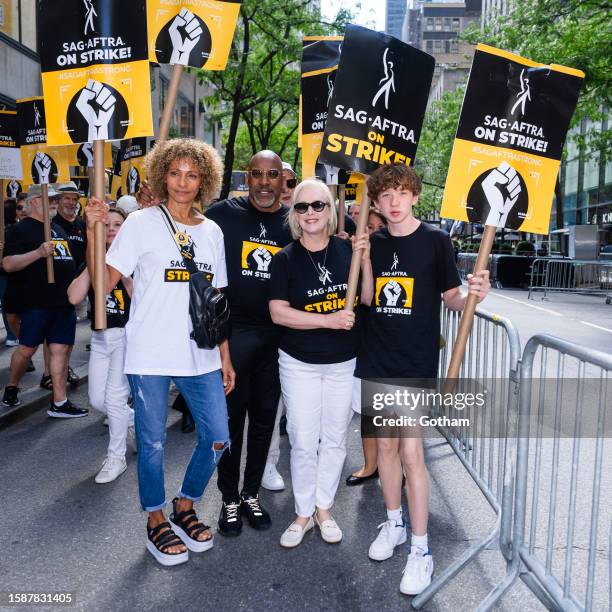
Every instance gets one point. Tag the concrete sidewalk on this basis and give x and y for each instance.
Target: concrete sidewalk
(32, 396)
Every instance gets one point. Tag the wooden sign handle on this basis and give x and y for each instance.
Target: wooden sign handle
(341, 207)
(467, 316)
(351, 292)
(173, 89)
(44, 187)
(99, 279)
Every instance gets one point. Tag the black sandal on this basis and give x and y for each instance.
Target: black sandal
(189, 528)
(160, 539)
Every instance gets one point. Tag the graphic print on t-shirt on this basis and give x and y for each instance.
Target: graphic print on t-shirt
(257, 255)
(393, 291)
(176, 273)
(115, 302)
(61, 250)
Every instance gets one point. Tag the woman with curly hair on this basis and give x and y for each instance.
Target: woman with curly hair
(159, 348)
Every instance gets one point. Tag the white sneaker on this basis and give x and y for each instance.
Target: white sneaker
(417, 574)
(112, 468)
(11, 343)
(294, 534)
(390, 536)
(272, 480)
(330, 532)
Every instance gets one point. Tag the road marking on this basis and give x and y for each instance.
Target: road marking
(596, 326)
(557, 314)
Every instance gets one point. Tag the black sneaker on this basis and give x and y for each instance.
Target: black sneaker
(30, 367)
(230, 523)
(46, 383)
(72, 379)
(11, 397)
(67, 411)
(258, 518)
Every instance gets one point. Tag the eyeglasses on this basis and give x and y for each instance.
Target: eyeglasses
(258, 173)
(302, 207)
(291, 183)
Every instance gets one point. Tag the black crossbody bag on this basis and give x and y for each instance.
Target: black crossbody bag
(208, 307)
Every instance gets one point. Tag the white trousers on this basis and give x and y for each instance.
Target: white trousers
(317, 398)
(108, 386)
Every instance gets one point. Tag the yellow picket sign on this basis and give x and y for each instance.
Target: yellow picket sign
(195, 33)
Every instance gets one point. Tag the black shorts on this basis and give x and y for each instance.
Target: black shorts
(57, 326)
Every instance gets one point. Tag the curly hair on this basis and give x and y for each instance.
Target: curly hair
(204, 156)
(393, 176)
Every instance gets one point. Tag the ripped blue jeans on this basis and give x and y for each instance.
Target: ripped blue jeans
(206, 400)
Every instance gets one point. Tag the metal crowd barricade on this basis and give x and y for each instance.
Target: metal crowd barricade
(562, 495)
(491, 361)
(571, 276)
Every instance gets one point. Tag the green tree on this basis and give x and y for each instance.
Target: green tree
(257, 95)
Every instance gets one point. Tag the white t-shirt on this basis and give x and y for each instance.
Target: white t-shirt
(158, 330)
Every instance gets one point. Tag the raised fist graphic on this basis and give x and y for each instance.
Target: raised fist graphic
(87, 151)
(501, 200)
(42, 163)
(185, 31)
(392, 291)
(12, 189)
(97, 104)
(133, 179)
(262, 258)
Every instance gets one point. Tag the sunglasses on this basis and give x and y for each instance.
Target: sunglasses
(302, 207)
(291, 183)
(257, 173)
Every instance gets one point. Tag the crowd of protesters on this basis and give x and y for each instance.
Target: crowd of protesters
(277, 256)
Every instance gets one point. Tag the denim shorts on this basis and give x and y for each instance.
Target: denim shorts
(56, 326)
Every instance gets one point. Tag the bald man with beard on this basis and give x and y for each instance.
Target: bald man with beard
(254, 231)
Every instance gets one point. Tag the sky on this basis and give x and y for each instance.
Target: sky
(371, 13)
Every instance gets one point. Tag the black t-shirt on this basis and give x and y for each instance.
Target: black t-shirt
(251, 239)
(315, 282)
(117, 305)
(77, 237)
(37, 293)
(410, 274)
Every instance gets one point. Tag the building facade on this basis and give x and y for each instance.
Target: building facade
(395, 11)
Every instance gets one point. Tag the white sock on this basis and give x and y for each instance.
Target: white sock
(395, 515)
(58, 404)
(418, 545)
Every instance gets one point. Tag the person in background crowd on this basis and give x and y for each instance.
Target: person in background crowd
(73, 225)
(10, 218)
(317, 354)
(369, 470)
(354, 212)
(289, 184)
(128, 204)
(47, 315)
(21, 211)
(108, 386)
(402, 341)
(159, 348)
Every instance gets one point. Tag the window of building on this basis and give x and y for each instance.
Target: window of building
(438, 23)
(456, 24)
(447, 24)
(429, 25)
(429, 45)
(18, 20)
(438, 45)
(454, 46)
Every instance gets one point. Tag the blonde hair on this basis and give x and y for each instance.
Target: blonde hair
(292, 217)
(201, 154)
